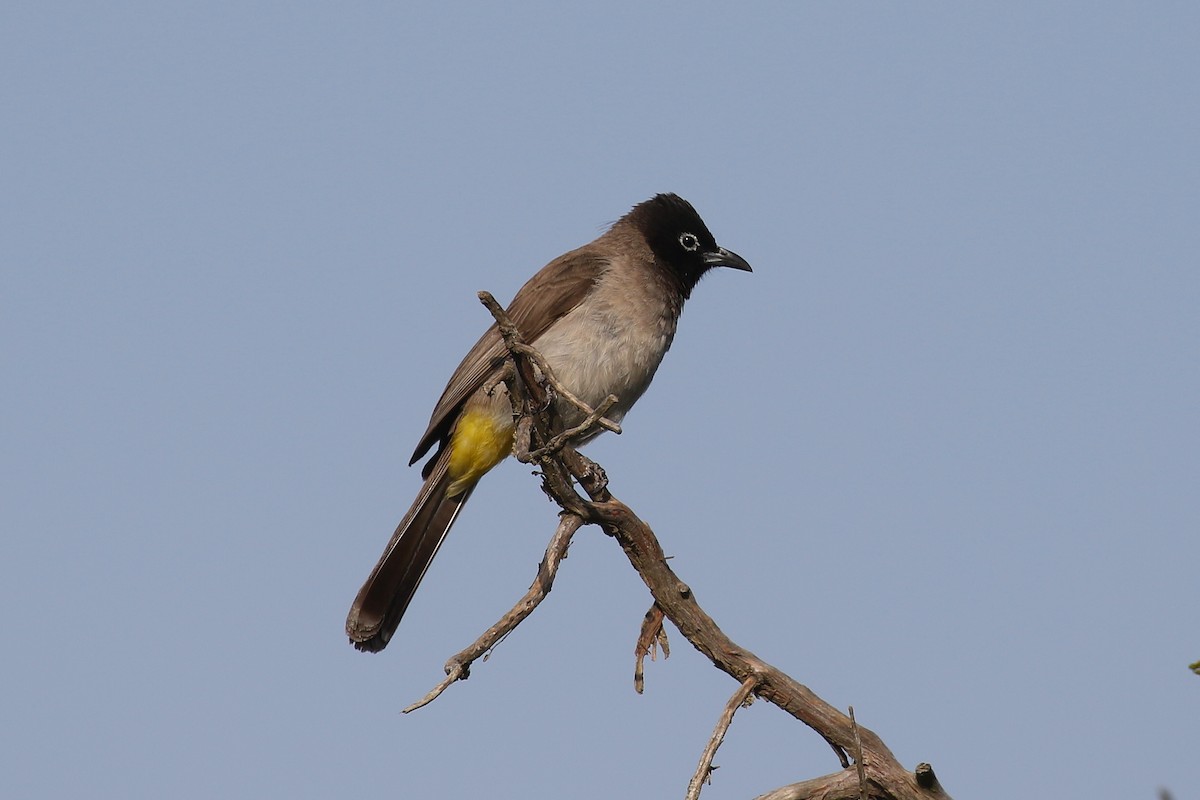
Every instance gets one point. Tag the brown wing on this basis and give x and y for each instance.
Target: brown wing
(556, 289)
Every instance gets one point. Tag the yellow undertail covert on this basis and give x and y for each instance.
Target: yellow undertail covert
(479, 442)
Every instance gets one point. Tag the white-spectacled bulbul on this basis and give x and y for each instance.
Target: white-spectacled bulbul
(603, 316)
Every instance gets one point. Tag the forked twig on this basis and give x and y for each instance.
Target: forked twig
(592, 420)
(517, 346)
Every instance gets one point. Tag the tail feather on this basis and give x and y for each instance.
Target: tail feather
(385, 596)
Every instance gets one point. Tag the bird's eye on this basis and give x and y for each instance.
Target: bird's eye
(689, 242)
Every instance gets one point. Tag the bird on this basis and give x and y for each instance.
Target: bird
(602, 316)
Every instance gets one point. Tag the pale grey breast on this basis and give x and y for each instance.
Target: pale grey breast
(612, 342)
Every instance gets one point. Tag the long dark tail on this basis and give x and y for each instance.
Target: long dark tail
(382, 600)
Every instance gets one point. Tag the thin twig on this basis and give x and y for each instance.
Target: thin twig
(458, 667)
(858, 758)
(704, 768)
(453, 674)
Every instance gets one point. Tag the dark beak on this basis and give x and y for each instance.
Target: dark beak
(726, 258)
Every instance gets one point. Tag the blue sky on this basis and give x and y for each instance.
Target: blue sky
(937, 457)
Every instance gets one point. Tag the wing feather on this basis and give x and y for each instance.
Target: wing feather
(549, 295)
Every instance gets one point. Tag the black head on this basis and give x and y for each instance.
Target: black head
(680, 240)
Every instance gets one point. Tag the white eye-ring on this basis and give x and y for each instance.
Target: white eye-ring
(689, 242)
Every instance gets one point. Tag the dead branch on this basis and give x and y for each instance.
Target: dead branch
(530, 383)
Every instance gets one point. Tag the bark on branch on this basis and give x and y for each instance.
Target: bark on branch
(532, 386)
